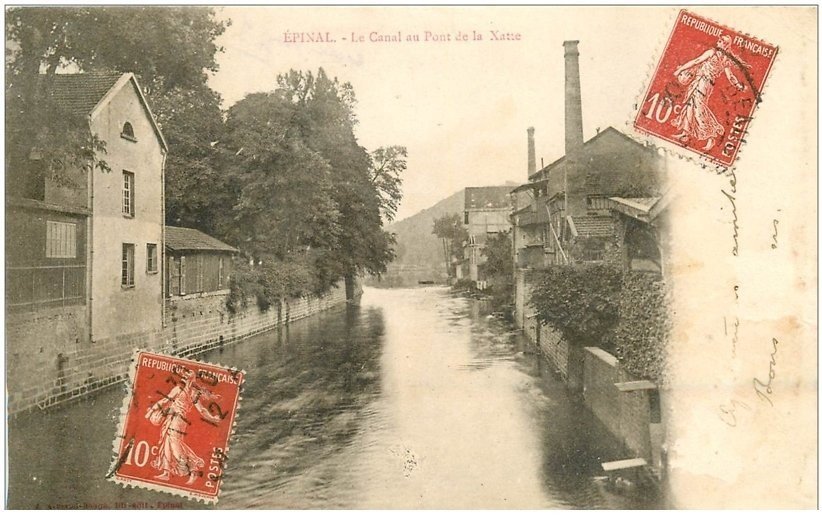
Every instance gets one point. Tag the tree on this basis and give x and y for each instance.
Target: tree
(326, 121)
(387, 165)
(43, 139)
(499, 268)
(284, 201)
(168, 48)
(306, 188)
(198, 192)
(453, 236)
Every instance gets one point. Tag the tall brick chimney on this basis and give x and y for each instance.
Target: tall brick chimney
(532, 156)
(574, 168)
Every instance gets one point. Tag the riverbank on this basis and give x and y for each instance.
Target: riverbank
(51, 369)
(413, 399)
(629, 407)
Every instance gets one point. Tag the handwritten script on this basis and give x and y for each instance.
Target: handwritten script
(729, 411)
(764, 390)
(775, 235)
(732, 199)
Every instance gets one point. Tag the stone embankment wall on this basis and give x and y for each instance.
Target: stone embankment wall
(631, 415)
(50, 359)
(626, 414)
(549, 340)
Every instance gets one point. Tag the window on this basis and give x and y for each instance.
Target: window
(151, 257)
(466, 218)
(128, 194)
(61, 240)
(127, 277)
(220, 271)
(128, 132)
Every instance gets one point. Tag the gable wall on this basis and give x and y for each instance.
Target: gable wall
(117, 310)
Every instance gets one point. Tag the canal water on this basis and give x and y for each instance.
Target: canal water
(416, 398)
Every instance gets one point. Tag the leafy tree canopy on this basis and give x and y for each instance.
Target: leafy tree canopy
(387, 165)
(326, 120)
(284, 203)
(499, 270)
(449, 228)
(305, 184)
(168, 47)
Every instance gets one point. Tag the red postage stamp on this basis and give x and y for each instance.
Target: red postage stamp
(705, 88)
(176, 424)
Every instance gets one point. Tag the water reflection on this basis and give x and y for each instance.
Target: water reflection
(414, 399)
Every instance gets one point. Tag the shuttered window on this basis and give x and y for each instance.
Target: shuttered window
(61, 240)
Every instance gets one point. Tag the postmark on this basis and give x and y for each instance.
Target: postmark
(705, 88)
(176, 425)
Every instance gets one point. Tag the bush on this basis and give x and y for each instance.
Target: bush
(499, 269)
(281, 279)
(641, 337)
(625, 313)
(243, 287)
(581, 301)
(272, 280)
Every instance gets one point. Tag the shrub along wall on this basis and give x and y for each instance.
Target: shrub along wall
(640, 338)
(582, 301)
(624, 313)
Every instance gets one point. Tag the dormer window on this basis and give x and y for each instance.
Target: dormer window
(128, 132)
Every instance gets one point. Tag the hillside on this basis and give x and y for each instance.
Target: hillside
(416, 245)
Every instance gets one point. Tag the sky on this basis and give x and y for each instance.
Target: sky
(460, 107)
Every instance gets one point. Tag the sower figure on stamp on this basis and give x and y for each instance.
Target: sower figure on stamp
(696, 119)
(174, 456)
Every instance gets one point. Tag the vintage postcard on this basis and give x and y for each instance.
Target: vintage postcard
(411, 257)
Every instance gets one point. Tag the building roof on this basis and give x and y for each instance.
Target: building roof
(642, 204)
(23, 202)
(82, 94)
(591, 226)
(529, 186)
(542, 173)
(178, 238)
(79, 93)
(645, 209)
(489, 197)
